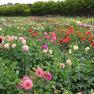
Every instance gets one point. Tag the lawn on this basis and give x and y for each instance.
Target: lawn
(46, 55)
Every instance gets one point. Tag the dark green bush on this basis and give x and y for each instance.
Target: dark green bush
(65, 8)
(13, 10)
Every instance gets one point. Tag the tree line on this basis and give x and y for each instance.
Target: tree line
(40, 8)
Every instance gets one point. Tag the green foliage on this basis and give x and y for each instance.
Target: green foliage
(66, 8)
(15, 10)
(9, 77)
(15, 63)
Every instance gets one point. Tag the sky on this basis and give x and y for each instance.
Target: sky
(21, 1)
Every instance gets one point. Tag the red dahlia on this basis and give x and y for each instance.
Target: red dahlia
(30, 30)
(88, 33)
(92, 44)
(0, 40)
(67, 39)
(83, 38)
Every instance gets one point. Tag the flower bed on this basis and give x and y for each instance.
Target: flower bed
(46, 57)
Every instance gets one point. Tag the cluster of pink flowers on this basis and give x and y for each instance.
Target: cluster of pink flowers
(53, 36)
(43, 74)
(8, 42)
(26, 83)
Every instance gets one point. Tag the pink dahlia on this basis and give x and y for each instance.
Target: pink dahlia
(39, 72)
(26, 83)
(47, 76)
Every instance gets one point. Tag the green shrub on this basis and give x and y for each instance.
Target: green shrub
(66, 8)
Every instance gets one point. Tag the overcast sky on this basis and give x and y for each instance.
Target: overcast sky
(21, 1)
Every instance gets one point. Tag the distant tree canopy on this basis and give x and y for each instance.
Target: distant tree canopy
(65, 8)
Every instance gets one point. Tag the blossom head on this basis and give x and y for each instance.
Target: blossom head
(13, 45)
(45, 33)
(25, 48)
(10, 38)
(26, 83)
(0, 40)
(87, 48)
(30, 30)
(88, 33)
(23, 41)
(39, 72)
(53, 39)
(45, 51)
(62, 65)
(83, 38)
(47, 76)
(50, 51)
(53, 34)
(75, 47)
(6, 46)
(45, 46)
(68, 62)
(92, 44)
(67, 39)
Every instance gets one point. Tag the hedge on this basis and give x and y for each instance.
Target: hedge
(65, 8)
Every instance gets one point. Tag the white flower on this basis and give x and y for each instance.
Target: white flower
(24, 41)
(75, 47)
(21, 38)
(0, 29)
(62, 65)
(13, 45)
(87, 48)
(92, 91)
(70, 51)
(25, 48)
(15, 37)
(50, 51)
(6, 46)
(45, 50)
(68, 62)
(35, 28)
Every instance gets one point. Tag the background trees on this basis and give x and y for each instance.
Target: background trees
(65, 8)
